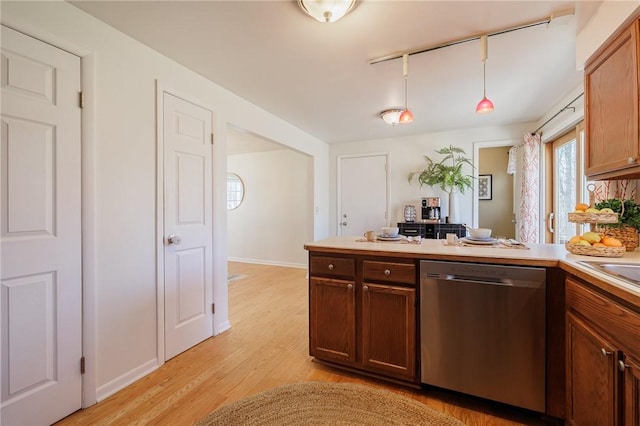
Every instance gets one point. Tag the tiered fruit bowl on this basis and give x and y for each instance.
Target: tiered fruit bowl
(593, 243)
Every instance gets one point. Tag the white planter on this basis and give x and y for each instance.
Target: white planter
(454, 210)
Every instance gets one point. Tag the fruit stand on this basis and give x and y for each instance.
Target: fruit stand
(594, 242)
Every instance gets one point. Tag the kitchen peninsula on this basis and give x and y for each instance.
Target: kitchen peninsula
(365, 303)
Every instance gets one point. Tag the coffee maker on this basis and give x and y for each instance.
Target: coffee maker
(431, 209)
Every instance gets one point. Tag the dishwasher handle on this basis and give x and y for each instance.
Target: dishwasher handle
(507, 282)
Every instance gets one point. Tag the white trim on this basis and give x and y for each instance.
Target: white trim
(126, 379)
(476, 168)
(339, 159)
(160, 222)
(89, 279)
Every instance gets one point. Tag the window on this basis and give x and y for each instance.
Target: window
(235, 191)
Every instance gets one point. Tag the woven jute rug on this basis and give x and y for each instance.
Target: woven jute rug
(319, 403)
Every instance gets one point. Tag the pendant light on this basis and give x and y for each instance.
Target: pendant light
(407, 116)
(485, 105)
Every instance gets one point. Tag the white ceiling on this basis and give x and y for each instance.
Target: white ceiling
(317, 76)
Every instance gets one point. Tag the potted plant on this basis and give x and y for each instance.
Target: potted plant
(628, 226)
(447, 174)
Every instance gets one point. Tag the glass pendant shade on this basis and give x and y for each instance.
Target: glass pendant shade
(326, 10)
(485, 105)
(406, 117)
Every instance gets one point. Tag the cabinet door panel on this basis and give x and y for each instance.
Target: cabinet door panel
(332, 325)
(611, 110)
(591, 376)
(632, 393)
(388, 329)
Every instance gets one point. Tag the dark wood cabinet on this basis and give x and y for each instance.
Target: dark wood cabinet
(365, 321)
(602, 348)
(591, 376)
(631, 412)
(431, 230)
(612, 145)
(332, 331)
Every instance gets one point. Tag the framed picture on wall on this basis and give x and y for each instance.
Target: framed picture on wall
(484, 187)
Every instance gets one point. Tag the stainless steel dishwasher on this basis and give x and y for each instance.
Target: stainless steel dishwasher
(482, 330)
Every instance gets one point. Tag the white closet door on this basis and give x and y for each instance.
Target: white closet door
(41, 290)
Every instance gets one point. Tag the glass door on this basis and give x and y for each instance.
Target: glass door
(568, 185)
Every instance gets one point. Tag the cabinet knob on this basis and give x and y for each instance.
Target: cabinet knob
(365, 287)
(350, 286)
(330, 266)
(632, 160)
(605, 352)
(387, 272)
(622, 366)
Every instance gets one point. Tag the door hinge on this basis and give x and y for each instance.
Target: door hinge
(82, 365)
(81, 99)
(213, 308)
(212, 139)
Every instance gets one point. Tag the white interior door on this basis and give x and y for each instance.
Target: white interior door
(188, 218)
(364, 197)
(41, 294)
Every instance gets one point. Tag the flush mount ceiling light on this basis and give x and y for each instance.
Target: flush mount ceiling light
(391, 116)
(326, 10)
(485, 105)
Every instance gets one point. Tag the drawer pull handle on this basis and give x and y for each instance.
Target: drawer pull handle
(622, 366)
(605, 352)
(331, 266)
(387, 272)
(365, 287)
(350, 286)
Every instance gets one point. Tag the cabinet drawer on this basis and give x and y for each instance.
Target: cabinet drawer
(389, 272)
(615, 320)
(332, 266)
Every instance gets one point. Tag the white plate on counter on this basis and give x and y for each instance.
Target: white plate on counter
(396, 238)
(479, 241)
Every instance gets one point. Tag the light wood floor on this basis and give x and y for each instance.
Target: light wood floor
(267, 346)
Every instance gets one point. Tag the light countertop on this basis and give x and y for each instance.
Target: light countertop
(547, 255)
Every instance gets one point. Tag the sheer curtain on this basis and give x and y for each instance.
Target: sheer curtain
(529, 209)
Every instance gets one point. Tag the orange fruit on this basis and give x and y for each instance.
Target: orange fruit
(582, 206)
(574, 240)
(598, 245)
(611, 242)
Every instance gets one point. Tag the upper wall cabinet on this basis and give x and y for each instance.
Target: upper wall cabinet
(611, 111)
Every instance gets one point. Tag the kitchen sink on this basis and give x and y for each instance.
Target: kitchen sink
(629, 272)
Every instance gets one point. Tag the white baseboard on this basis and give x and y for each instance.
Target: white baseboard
(268, 262)
(126, 379)
(221, 328)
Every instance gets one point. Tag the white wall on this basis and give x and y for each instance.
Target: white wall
(406, 155)
(271, 224)
(119, 76)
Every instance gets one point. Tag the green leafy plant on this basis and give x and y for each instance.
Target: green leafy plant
(630, 216)
(446, 173)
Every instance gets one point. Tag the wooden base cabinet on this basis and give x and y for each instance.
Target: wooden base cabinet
(592, 376)
(603, 374)
(631, 392)
(365, 320)
(388, 330)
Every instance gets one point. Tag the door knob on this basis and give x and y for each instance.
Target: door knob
(174, 240)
